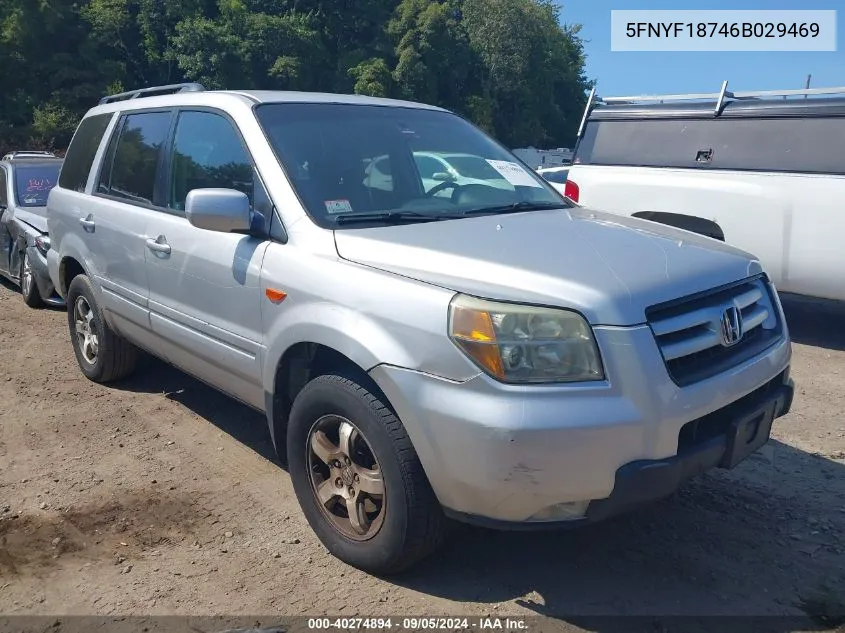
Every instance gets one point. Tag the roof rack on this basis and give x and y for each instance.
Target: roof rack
(35, 153)
(154, 91)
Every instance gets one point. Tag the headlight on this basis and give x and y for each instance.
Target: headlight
(42, 243)
(525, 344)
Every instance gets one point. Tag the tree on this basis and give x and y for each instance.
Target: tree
(244, 49)
(47, 66)
(372, 77)
(508, 65)
(351, 32)
(434, 60)
(528, 61)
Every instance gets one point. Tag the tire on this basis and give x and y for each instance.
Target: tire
(29, 289)
(412, 524)
(113, 357)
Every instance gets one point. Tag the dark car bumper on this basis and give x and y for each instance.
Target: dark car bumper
(721, 439)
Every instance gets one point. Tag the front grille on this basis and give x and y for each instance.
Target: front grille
(690, 332)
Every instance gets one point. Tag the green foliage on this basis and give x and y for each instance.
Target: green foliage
(372, 77)
(53, 122)
(508, 65)
(532, 69)
(434, 61)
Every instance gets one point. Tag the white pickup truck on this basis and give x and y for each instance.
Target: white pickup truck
(763, 171)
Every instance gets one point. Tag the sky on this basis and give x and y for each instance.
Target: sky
(636, 73)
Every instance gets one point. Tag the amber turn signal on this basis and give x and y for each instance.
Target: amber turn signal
(473, 331)
(276, 296)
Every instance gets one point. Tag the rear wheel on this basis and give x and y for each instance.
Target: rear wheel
(102, 355)
(29, 289)
(358, 479)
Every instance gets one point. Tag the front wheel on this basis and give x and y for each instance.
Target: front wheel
(102, 355)
(358, 479)
(29, 289)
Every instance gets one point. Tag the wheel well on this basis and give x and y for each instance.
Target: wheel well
(686, 222)
(302, 363)
(68, 269)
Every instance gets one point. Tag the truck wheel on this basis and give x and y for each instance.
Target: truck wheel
(358, 479)
(102, 355)
(29, 289)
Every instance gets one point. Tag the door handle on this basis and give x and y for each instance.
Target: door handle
(704, 155)
(88, 223)
(158, 245)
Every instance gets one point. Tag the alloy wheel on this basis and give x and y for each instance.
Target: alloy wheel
(86, 330)
(346, 478)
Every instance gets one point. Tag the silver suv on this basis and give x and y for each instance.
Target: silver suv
(497, 355)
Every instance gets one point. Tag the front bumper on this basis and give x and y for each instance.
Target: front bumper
(507, 455)
(41, 275)
(746, 426)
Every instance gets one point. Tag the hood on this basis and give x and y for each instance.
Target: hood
(608, 267)
(36, 217)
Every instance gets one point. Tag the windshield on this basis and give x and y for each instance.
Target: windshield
(33, 184)
(347, 160)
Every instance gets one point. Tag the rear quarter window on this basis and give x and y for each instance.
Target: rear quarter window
(80, 155)
(799, 145)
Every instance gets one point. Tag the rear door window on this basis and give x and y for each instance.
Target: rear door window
(131, 165)
(4, 201)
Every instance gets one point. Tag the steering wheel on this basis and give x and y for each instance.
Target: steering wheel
(441, 186)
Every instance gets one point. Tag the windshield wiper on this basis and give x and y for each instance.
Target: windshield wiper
(388, 217)
(516, 207)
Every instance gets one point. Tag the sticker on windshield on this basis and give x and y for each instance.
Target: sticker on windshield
(338, 206)
(514, 173)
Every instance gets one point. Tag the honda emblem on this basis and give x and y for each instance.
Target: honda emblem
(731, 326)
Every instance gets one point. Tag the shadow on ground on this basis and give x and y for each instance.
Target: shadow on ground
(233, 418)
(14, 288)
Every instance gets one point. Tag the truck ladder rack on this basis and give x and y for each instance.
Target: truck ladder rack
(721, 98)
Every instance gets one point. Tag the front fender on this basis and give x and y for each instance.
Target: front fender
(342, 329)
(370, 316)
(20, 241)
(365, 340)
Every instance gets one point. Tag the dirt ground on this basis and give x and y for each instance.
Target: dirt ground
(160, 496)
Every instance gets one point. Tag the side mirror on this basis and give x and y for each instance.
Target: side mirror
(442, 176)
(221, 210)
